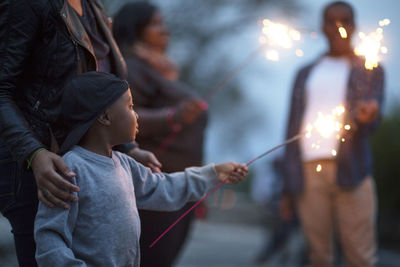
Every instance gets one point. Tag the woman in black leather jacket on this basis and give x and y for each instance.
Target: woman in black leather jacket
(43, 44)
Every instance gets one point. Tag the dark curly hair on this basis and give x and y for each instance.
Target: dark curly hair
(130, 22)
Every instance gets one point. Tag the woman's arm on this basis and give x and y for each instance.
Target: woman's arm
(19, 28)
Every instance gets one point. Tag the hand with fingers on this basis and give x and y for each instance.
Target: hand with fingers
(189, 110)
(147, 158)
(53, 189)
(231, 172)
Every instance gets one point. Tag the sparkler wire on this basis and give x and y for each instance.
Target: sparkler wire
(294, 138)
(170, 138)
(232, 73)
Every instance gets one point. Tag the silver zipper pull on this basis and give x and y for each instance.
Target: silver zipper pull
(36, 106)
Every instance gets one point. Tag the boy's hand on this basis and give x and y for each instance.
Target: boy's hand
(53, 190)
(146, 158)
(231, 172)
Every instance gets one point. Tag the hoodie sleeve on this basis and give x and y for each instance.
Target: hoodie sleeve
(53, 235)
(171, 191)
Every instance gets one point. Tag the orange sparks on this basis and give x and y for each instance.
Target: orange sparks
(277, 35)
(342, 32)
(318, 168)
(370, 46)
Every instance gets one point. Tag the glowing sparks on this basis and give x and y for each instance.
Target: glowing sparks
(262, 40)
(370, 46)
(343, 32)
(272, 55)
(299, 53)
(326, 125)
(384, 22)
(318, 168)
(338, 111)
(277, 35)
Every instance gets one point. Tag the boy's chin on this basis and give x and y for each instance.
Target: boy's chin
(127, 140)
(132, 139)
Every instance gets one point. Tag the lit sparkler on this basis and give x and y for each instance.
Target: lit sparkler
(342, 32)
(324, 125)
(277, 35)
(370, 46)
(318, 168)
(327, 126)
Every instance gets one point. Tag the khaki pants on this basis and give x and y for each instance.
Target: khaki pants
(324, 206)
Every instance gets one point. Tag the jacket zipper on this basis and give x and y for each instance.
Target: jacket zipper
(77, 56)
(36, 106)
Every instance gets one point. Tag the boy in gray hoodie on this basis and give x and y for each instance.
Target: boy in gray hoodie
(103, 227)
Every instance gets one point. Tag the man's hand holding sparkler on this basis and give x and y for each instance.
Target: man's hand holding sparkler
(367, 111)
(231, 172)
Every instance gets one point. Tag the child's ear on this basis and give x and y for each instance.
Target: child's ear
(104, 118)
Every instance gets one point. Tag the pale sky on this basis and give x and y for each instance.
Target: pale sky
(267, 83)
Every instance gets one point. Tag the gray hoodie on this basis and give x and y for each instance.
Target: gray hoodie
(103, 227)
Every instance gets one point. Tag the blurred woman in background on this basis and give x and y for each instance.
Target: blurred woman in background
(172, 118)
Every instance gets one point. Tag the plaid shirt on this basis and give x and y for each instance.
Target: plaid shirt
(354, 158)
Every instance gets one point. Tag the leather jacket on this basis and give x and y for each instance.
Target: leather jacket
(42, 46)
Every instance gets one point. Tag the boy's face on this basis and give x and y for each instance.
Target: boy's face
(124, 125)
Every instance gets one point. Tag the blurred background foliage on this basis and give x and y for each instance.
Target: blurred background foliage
(386, 148)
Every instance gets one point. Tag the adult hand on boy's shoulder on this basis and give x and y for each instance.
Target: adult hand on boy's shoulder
(53, 189)
(231, 172)
(147, 158)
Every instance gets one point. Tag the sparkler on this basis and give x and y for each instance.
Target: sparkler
(370, 46)
(275, 35)
(324, 125)
(342, 32)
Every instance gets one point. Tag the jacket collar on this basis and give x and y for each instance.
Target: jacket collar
(75, 27)
(119, 62)
(80, 36)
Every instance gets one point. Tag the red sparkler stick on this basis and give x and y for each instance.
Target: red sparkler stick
(221, 183)
(183, 215)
